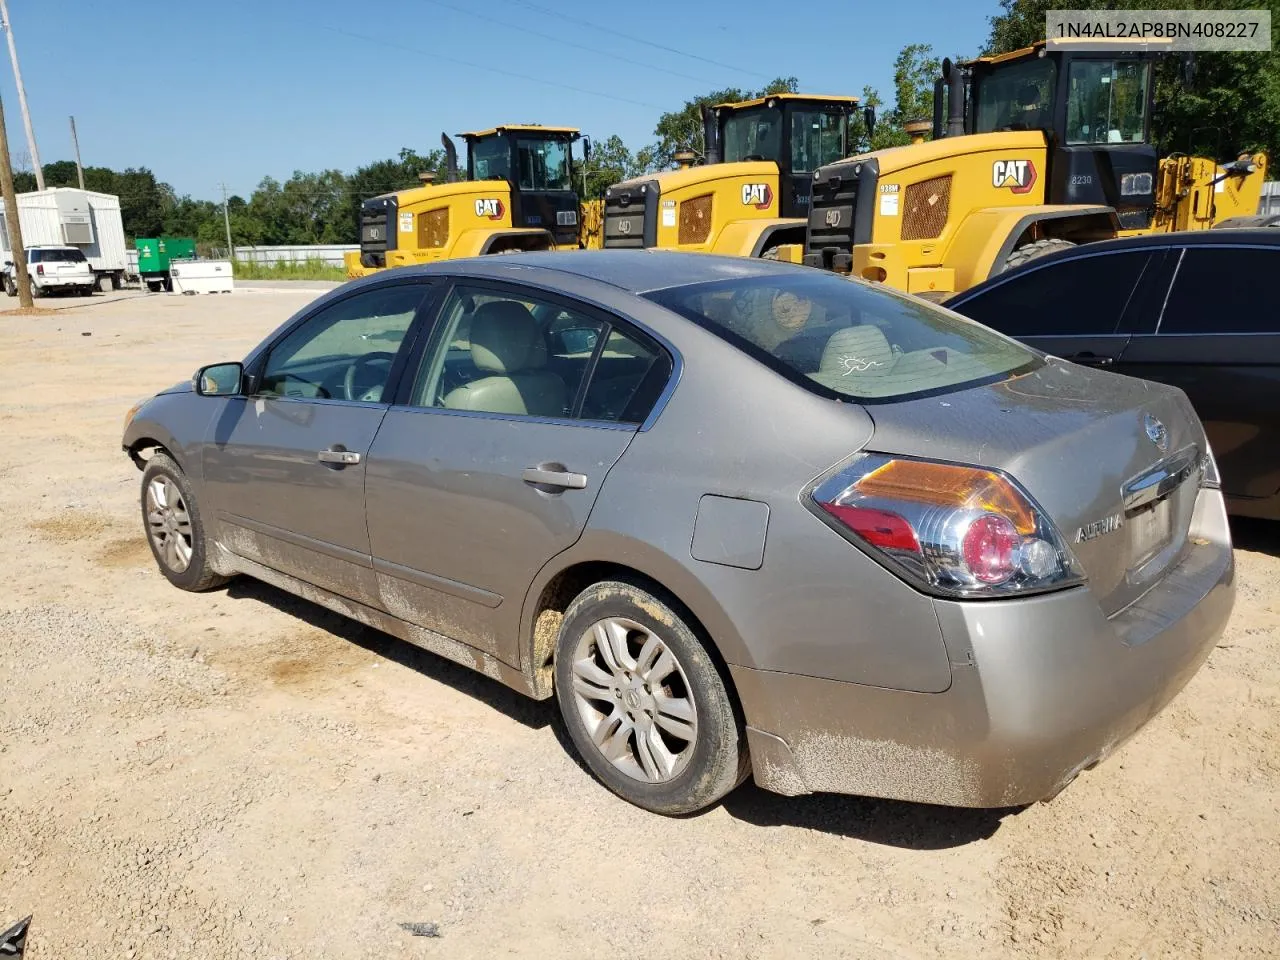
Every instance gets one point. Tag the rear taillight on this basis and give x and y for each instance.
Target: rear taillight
(947, 528)
(40, 269)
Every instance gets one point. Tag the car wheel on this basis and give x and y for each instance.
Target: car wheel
(1035, 250)
(10, 289)
(36, 292)
(175, 530)
(644, 703)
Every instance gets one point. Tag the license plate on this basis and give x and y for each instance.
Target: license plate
(1151, 529)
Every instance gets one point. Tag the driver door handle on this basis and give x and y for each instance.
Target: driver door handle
(554, 478)
(344, 458)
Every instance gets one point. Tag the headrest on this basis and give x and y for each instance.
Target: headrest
(857, 350)
(505, 338)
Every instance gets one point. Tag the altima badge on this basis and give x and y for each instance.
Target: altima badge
(1156, 432)
(1091, 531)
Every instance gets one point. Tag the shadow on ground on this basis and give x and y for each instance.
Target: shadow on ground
(1259, 536)
(892, 823)
(531, 713)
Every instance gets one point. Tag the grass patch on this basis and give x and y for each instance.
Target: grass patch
(314, 269)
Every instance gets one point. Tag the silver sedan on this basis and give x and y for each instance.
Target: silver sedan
(739, 518)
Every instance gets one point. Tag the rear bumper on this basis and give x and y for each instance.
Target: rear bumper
(49, 282)
(1043, 688)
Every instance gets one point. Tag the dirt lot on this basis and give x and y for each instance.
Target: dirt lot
(239, 774)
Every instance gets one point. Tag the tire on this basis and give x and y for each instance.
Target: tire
(161, 480)
(155, 286)
(102, 284)
(699, 751)
(167, 282)
(770, 254)
(10, 288)
(116, 281)
(37, 292)
(1035, 250)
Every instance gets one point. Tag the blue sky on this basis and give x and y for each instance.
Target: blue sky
(205, 93)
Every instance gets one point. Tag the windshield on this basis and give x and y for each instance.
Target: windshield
(1107, 101)
(848, 338)
(817, 138)
(1017, 97)
(57, 256)
(754, 134)
(490, 159)
(544, 164)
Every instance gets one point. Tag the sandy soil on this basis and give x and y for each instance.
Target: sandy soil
(240, 774)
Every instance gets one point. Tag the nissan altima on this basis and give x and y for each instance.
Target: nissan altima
(739, 518)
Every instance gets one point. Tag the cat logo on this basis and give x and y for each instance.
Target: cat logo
(1018, 175)
(758, 195)
(833, 218)
(490, 207)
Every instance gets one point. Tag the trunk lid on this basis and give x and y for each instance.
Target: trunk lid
(1115, 462)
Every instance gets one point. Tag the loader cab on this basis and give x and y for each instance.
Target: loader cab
(798, 132)
(537, 164)
(1095, 110)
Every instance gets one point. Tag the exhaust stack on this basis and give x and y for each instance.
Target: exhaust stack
(710, 136)
(451, 159)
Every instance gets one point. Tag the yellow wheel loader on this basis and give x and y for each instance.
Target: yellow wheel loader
(1040, 149)
(518, 195)
(750, 195)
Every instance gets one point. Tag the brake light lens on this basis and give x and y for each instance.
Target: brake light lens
(40, 269)
(947, 528)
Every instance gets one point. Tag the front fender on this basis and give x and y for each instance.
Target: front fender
(987, 236)
(750, 238)
(178, 422)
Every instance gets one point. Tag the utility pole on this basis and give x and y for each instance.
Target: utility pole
(16, 249)
(226, 220)
(75, 142)
(22, 95)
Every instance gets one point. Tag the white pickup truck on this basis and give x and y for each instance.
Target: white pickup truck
(53, 269)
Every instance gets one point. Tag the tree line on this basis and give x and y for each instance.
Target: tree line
(1231, 104)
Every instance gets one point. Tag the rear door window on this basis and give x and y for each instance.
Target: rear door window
(1083, 296)
(1220, 290)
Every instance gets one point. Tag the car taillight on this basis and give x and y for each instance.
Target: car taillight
(40, 269)
(947, 528)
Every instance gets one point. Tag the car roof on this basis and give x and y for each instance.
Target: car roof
(1255, 237)
(635, 271)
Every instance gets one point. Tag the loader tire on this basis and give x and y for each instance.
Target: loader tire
(1035, 250)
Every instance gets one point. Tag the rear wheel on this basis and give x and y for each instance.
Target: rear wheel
(1034, 250)
(175, 530)
(10, 288)
(644, 703)
(37, 292)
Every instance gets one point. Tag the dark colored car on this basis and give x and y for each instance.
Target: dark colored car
(1193, 310)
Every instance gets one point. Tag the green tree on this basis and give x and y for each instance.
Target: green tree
(611, 162)
(1232, 104)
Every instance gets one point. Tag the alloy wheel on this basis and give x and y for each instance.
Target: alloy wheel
(634, 700)
(169, 523)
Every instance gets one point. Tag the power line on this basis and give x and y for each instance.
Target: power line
(568, 43)
(383, 42)
(634, 39)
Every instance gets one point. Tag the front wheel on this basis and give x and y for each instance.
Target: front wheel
(174, 527)
(10, 288)
(644, 703)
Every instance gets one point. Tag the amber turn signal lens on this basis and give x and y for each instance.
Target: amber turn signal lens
(948, 485)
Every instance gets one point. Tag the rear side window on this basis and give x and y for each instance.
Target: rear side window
(1083, 296)
(1221, 290)
(847, 338)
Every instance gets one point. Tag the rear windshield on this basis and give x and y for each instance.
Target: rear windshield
(57, 256)
(847, 338)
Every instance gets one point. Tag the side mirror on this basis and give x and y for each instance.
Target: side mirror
(586, 149)
(869, 120)
(219, 380)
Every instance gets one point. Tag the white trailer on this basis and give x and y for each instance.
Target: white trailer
(78, 218)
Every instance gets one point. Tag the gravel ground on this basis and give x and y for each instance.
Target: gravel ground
(241, 774)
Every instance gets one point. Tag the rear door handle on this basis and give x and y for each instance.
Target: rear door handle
(1090, 359)
(554, 478)
(343, 458)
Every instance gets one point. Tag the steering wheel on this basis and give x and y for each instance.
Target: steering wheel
(351, 386)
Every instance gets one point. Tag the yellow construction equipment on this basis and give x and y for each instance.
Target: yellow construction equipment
(518, 195)
(750, 195)
(1040, 149)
